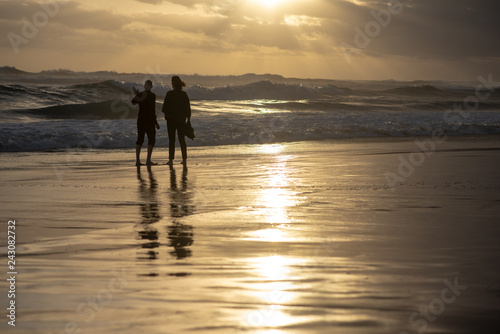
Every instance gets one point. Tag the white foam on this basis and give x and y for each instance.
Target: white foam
(243, 126)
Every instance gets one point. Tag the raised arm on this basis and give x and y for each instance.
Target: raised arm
(137, 98)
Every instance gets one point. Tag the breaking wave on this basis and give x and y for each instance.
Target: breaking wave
(40, 114)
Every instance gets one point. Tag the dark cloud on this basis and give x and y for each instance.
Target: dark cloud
(439, 29)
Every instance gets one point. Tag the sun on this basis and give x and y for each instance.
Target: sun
(268, 3)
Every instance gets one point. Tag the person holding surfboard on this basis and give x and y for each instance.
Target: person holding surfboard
(177, 110)
(146, 121)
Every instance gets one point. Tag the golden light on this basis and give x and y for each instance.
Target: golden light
(273, 267)
(271, 317)
(271, 148)
(274, 286)
(277, 198)
(276, 201)
(275, 289)
(270, 235)
(268, 3)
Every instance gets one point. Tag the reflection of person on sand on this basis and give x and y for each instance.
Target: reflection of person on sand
(179, 234)
(177, 110)
(150, 214)
(146, 121)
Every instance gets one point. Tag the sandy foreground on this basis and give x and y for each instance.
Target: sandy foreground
(310, 237)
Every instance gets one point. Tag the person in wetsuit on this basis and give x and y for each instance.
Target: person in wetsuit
(177, 111)
(146, 121)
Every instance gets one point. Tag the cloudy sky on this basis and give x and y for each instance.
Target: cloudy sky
(337, 39)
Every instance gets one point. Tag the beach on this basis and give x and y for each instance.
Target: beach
(300, 237)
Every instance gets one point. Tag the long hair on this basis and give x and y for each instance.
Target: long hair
(177, 83)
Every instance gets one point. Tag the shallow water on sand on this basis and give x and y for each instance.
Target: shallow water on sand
(275, 239)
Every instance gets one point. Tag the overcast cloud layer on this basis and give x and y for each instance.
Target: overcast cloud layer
(418, 39)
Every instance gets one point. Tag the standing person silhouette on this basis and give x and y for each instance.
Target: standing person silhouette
(146, 121)
(177, 111)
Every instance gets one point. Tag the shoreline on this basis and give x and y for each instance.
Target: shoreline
(452, 138)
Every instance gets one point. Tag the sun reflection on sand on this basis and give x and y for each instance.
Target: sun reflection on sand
(274, 287)
(271, 235)
(276, 197)
(274, 267)
(271, 148)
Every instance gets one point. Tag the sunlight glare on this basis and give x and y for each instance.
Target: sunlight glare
(277, 198)
(270, 235)
(268, 3)
(271, 148)
(276, 201)
(275, 267)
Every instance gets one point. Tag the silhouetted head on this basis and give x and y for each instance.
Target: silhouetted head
(148, 85)
(177, 83)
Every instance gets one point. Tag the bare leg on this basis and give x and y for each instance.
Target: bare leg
(182, 141)
(138, 155)
(150, 152)
(171, 140)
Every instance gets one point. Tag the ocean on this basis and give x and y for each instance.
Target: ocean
(61, 110)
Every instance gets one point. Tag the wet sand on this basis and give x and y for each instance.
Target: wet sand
(277, 239)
